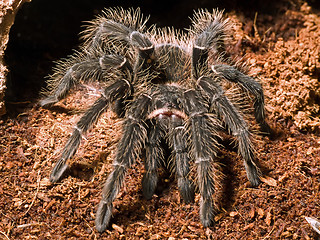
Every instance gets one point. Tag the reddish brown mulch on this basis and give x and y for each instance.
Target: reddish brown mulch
(283, 53)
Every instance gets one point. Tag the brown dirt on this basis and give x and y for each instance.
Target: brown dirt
(283, 51)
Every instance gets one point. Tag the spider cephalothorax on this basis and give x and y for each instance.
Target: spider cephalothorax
(168, 88)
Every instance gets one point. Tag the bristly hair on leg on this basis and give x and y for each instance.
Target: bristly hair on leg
(116, 22)
(210, 29)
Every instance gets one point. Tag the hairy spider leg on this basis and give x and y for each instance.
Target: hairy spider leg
(107, 30)
(182, 161)
(154, 155)
(115, 25)
(212, 34)
(116, 31)
(85, 70)
(93, 66)
(129, 148)
(118, 34)
(118, 90)
(204, 148)
(247, 83)
(235, 122)
(209, 34)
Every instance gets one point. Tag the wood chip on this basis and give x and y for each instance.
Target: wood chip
(310, 150)
(117, 228)
(269, 181)
(252, 213)
(218, 217)
(50, 204)
(268, 219)
(193, 229)
(249, 226)
(45, 182)
(233, 214)
(260, 212)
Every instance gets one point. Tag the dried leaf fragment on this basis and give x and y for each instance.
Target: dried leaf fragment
(252, 213)
(260, 212)
(268, 219)
(218, 217)
(269, 181)
(117, 228)
(45, 182)
(249, 226)
(310, 150)
(233, 214)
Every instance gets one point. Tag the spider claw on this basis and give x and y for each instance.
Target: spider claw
(149, 184)
(48, 101)
(206, 212)
(266, 130)
(103, 216)
(255, 181)
(59, 171)
(253, 175)
(186, 190)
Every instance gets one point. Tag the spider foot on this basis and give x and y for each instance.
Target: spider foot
(206, 212)
(253, 174)
(149, 184)
(186, 190)
(59, 171)
(103, 216)
(48, 101)
(266, 130)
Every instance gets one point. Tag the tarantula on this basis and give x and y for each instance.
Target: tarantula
(167, 86)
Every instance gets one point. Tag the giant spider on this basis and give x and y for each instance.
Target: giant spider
(167, 85)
